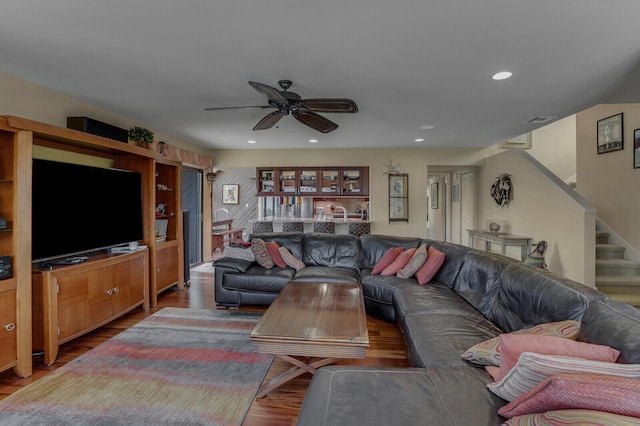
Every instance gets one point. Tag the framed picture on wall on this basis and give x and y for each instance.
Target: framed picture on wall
(636, 149)
(230, 194)
(434, 195)
(398, 197)
(610, 134)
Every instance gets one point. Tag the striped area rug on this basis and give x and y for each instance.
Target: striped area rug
(176, 367)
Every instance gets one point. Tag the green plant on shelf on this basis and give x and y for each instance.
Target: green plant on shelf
(140, 135)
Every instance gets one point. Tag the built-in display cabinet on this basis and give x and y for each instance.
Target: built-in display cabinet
(152, 270)
(15, 249)
(313, 181)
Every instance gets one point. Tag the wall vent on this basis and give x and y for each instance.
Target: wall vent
(541, 119)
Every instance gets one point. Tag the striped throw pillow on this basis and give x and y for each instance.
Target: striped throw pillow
(290, 259)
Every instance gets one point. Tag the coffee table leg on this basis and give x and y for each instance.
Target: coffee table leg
(299, 368)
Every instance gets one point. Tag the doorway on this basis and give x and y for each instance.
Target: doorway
(192, 203)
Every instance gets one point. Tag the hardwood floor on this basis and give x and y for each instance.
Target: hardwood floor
(278, 408)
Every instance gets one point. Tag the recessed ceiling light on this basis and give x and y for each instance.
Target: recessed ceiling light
(313, 140)
(502, 75)
(419, 140)
(426, 127)
(251, 141)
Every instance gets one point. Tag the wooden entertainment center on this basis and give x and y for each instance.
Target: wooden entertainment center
(60, 304)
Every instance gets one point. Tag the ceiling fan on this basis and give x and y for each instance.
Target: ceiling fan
(304, 110)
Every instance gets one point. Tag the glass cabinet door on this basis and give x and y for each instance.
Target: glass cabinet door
(266, 181)
(351, 179)
(287, 179)
(308, 179)
(330, 181)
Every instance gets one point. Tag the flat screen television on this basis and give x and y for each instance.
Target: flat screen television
(78, 209)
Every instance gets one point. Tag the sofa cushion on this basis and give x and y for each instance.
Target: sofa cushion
(290, 259)
(435, 259)
(238, 265)
(259, 279)
(380, 287)
(387, 259)
(480, 277)
(361, 395)
(532, 368)
(488, 352)
(373, 247)
(614, 324)
(454, 255)
(571, 417)
(585, 391)
(415, 263)
(334, 250)
(437, 340)
(530, 296)
(274, 254)
(325, 273)
(261, 253)
(433, 298)
(399, 262)
(513, 345)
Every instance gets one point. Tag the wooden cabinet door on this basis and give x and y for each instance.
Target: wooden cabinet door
(83, 301)
(127, 284)
(265, 180)
(288, 181)
(8, 340)
(309, 181)
(167, 266)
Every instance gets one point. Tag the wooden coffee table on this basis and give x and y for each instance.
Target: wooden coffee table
(311, 325)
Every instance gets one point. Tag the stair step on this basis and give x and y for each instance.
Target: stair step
(602, 237)
(618, 281)
(617, 267)
(609, 251)
(630, 299)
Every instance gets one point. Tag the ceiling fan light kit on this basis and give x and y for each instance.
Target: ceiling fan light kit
(304, 110)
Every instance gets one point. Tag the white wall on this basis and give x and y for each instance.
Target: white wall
(540, 210)
(554, 145)
(609, 181)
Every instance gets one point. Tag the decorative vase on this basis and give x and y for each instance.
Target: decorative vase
(494, 227)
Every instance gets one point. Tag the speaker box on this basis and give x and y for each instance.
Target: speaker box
(95, 127)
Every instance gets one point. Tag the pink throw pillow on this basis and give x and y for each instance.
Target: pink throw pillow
(386, 259)
(274, 252)
(513, 345)
(599, 392)
(399, 262)
(435, 259)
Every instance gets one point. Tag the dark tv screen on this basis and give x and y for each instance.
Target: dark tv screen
(78, 209)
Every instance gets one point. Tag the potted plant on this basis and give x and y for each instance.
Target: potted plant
(140, 135)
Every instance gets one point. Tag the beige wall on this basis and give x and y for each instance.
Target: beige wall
(540, 210)
(609, 180)
(554, 146)
(412, 161)
(24, 99)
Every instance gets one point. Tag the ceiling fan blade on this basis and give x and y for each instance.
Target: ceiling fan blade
(239, 107)
(271, 93)
(315, 121)
(328, 105)
(268, 121)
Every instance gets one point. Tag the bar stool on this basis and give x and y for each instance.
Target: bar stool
(324, 227)
(358, 229)
(292, 227)
(262, 227)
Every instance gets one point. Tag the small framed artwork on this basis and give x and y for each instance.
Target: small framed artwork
(636, 149)
(455, 193)
(398, 197)
(610, 134)
(230, 194)
(434, 195)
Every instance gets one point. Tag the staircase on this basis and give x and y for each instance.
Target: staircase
(617, 277)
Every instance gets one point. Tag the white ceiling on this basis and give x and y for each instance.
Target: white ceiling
(406, 63)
